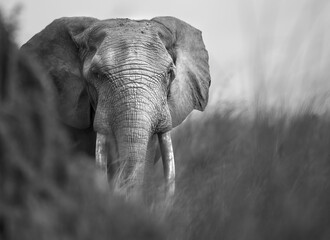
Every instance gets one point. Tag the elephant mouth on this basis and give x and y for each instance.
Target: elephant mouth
(165, 143)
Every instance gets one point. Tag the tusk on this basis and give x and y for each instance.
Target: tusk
(100, 152)
(166, 149)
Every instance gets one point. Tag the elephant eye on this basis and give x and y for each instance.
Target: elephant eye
(97, 74)
(171, 73)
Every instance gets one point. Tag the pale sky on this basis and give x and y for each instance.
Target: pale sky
(217, 19)
(267, 46)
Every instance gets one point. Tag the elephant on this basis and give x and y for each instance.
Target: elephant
(42, 193)
(122, 83)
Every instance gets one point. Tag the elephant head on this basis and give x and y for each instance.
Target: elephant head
(131, 80)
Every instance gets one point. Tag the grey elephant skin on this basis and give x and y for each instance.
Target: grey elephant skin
(122, 85)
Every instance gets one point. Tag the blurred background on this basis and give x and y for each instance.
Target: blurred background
(257, 164)
(273, 50)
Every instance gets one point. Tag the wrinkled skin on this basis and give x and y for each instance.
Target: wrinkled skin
(128, 82)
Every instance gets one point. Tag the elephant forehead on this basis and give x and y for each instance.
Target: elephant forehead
(134, 44)
(119, 47)
(127, 33)
(127, 25)
(118, 42)
(120, 27)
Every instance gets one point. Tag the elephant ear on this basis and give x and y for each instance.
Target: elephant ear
(56, 51)
(189, 90)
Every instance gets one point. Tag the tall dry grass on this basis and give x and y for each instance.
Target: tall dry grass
(259, 167)
(252, 179)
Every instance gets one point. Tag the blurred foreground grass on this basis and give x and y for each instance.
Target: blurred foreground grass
(252, 179)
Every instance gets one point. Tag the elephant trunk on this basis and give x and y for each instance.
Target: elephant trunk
(132, 161)
(128, 146)
(134, 119)
(132, 149)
